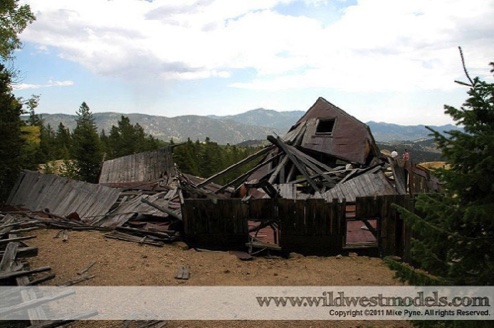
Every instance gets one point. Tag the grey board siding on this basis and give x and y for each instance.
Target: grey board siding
(61, 196)
(367, 184)
(141, 167)
(132, 205)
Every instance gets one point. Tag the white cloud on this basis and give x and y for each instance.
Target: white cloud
(378, 45)
(49, 84)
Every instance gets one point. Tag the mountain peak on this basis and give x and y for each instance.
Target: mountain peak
(255, 124)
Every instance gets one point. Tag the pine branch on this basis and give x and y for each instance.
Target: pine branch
(465, 68)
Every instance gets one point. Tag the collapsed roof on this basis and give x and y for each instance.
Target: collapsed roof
(327, 154)
(327, 149)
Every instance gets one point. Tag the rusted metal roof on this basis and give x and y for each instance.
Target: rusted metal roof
(327, 129)
(61, 196)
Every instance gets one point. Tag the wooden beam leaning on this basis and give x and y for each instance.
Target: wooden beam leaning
(279, 143)
(315, 165)
(234, 166)
(246, 174)
(162, 209)
(280, 166)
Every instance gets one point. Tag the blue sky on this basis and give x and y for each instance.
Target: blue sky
(389, 61)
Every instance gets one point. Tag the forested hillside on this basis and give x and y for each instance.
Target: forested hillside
(233, 129)
(199, 157)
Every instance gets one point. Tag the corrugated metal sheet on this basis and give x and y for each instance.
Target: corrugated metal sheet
(142, 167)
(367, 184)
(62, 196)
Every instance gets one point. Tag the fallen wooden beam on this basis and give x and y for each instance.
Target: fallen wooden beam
(8, 275)
(41, 280)
(246, 174)
(234, 166)
(9, 257)
(267, 187)
(86, 268)
(162, 209)
(24, 252)
(278, 142)
(126, 237)
(144, 232)
(8, 240)
(76, 281)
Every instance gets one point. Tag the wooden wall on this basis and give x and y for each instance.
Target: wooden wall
(210, 225)
(309, 227)
(393, 235)
(141, 167)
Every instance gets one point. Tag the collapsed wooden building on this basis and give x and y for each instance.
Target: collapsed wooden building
(324, 188)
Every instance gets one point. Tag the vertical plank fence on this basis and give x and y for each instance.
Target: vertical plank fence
(309, 227)
(220, 225)
(312, 226)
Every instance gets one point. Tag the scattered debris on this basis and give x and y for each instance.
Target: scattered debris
(327, 156)
(86, 268)
(76, 280)
(183, 272)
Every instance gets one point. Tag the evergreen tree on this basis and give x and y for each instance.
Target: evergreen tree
(10, 135)
(126, 139)
(87, 149)
(13, 20)
(210, 158)
(454, 230)
(63, 142)
(48, 144)
(184, 157)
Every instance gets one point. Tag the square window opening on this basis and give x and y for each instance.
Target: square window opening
(325, 126)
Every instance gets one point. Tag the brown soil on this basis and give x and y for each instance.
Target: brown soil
(129, 264)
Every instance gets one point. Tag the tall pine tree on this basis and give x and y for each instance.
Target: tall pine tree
(454, 230)
(10, 135)
(87, 149)
(13, 20)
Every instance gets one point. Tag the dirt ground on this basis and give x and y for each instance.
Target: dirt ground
(120, 263)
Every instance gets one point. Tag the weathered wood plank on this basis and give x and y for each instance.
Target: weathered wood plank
(279, 143)
(24, 252)
(236, 165)
(76, 280)
(8, 257)
(86, 268)
(8, 275)
(8, 240)
(163, 209)
(183, 272)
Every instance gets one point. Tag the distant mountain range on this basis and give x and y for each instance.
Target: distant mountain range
(255, 124)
